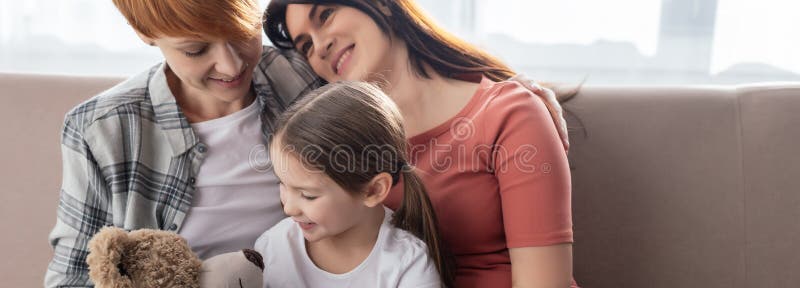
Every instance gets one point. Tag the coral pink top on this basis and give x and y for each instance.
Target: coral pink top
(498, 177)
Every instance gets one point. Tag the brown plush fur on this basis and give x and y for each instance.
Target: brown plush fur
(143, 258)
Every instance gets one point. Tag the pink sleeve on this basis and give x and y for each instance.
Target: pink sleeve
(531, 168)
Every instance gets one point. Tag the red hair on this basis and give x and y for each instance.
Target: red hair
(238, 20)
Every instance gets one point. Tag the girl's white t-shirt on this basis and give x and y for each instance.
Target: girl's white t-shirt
(398, 259)
(236, 195)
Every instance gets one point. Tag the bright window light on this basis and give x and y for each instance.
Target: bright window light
(604, 42)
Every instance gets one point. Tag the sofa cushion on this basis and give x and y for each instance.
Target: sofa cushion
(771, 163)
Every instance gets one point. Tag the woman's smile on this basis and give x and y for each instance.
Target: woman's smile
(343, 59)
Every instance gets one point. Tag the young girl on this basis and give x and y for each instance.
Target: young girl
(338, 152)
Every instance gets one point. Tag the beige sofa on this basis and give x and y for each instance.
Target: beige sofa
(673, 186)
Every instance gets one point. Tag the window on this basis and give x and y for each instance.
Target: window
(604, 42)
(76, 37)
(634, 41)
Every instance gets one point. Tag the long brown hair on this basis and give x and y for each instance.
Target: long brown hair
(352, 132)
(429, 45)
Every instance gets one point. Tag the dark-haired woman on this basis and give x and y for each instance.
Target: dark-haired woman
(487, 149)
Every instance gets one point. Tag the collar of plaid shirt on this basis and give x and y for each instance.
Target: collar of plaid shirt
(166, 108)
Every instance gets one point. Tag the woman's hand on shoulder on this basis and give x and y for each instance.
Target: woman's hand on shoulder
(550, 100)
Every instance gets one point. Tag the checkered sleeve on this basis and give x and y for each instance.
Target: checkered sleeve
(288, 73)
(83, 208)
(287, 77)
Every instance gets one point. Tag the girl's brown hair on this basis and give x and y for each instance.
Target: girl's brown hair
(352, 132)
(238, 20)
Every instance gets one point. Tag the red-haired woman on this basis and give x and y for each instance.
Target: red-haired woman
(488, 151)
(181, 146)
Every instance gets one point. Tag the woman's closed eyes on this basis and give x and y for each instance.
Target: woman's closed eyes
(196, 52)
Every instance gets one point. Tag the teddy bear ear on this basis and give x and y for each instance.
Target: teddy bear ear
(255, 257)
(106, 249)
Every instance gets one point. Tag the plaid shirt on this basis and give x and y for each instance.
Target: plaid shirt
(130, 158)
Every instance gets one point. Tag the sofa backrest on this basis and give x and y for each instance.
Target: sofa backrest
(31, 118)
(672, 187)
(686, 187)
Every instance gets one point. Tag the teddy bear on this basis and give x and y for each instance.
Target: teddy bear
(148, 258)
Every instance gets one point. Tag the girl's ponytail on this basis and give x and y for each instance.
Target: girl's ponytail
(416, 215)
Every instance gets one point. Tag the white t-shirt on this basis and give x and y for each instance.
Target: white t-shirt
(236, 196)
(398, 259)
